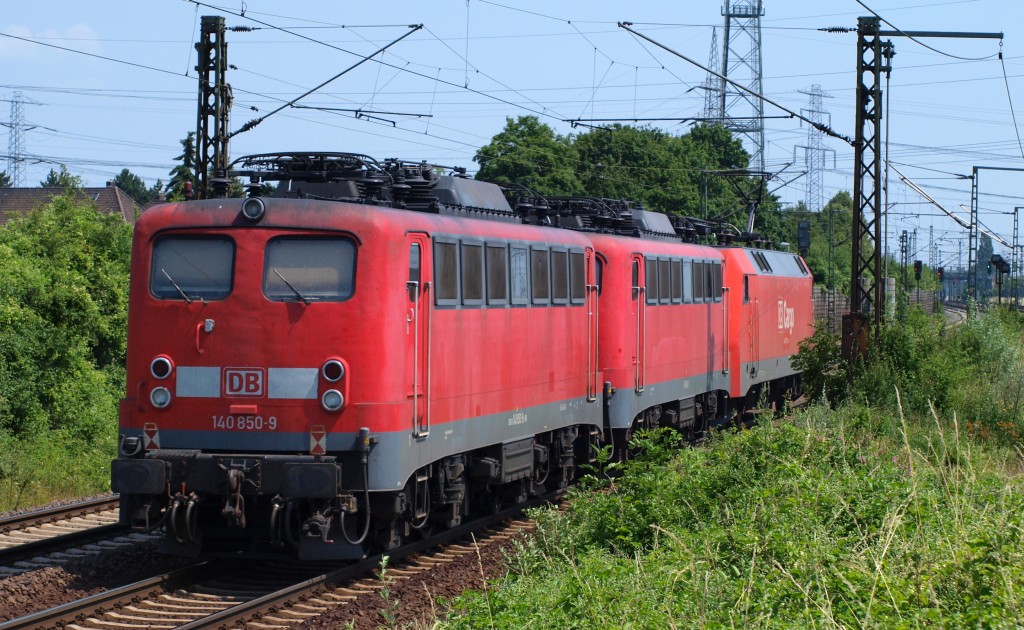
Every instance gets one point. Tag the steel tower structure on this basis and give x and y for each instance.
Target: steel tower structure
(742, 112)
(16, 141)
(815, 149)
(713, 85)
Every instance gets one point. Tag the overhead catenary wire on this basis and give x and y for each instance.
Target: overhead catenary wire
(817, 125)
(918, 41)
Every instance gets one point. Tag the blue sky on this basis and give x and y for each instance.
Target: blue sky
(559, 60)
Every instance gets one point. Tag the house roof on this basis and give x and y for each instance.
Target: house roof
(109, 200)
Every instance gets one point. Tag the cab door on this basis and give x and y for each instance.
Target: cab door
(591, 288)
(419, 309)
(639, 302)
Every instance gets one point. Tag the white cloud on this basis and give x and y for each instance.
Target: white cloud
(78, 37)
(11, 48)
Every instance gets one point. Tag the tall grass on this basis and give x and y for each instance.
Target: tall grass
(883, 507)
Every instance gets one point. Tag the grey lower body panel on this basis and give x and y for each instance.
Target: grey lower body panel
(627, 403)
(764, 371)
(397, 455)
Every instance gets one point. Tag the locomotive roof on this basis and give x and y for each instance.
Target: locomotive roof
(424, 187)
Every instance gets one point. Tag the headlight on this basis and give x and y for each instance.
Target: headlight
(253, 209)
(332, 400)
(161, 367)
(160, 397)
(333, 370)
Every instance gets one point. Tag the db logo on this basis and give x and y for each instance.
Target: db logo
(243, 382)
(787, 316)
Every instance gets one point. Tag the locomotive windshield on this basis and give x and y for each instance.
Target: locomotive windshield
(192, 268)
(309, 269)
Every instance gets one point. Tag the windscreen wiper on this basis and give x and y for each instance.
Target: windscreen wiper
(184, 295)
(304, 299)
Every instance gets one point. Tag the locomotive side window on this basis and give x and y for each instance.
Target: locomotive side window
(520, 275)
(309, 269)
(577, 278)
(446, 273)
(688, 281)
(698, 281)
(192, 268)
(636, 280)
(677, 281)
(664, 281)
(540, 272)
(714, 282)
(800, 263)
(559, 277)
(472, 274)
(651, 279)
(414, 271)
(497, 275)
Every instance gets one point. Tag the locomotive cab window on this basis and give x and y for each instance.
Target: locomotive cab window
(309, 269)
(192, 268)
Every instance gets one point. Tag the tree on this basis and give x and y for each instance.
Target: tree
(185, 171)
(63, 304)
(5, 180)
(664, 172)
(840, 210)
(530, 153)
(136, 188)
(61, 179)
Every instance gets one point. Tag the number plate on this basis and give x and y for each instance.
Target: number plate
(241, 422)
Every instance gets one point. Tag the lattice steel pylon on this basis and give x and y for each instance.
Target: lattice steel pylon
(815, 149)
(713, 84)
(16, 141)
(741, 62)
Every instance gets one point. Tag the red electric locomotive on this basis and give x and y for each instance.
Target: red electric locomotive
(378, 349)
(684, 340)
(324, 372)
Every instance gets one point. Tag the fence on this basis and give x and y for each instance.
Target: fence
(925, 300)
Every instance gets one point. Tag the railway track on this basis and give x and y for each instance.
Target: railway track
(269, 594)
(55, 535)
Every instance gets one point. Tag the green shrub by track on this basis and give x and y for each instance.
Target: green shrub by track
(883, 515)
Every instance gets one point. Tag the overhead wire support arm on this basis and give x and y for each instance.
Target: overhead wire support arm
(825, 129)
(252, 123)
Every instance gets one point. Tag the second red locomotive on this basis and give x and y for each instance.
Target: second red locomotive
(379, 349)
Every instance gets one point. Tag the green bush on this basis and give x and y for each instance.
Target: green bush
(974, 371)
(63, 312)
